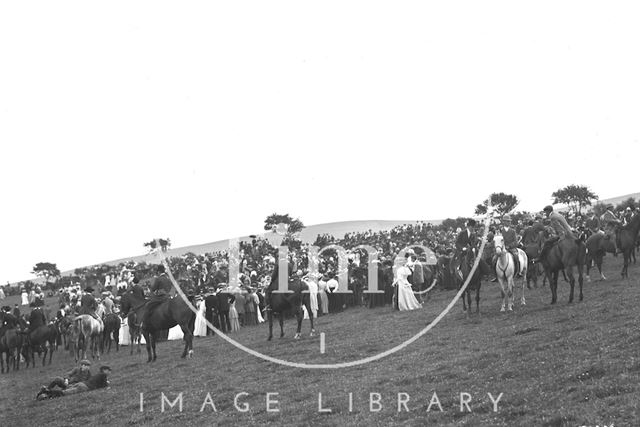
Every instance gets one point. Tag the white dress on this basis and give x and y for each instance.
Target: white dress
(313, 299)
(322, 293)
(406, 299)
(175, 333)
(25, 298)
(200, 327)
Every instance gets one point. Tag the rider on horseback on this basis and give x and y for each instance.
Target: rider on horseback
(559, 227)
(510, 240)
(88, 303)
(160, 288)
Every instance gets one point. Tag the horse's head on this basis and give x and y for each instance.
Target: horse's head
(498, 243)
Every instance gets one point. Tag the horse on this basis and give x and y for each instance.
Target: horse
(563, 255)
(505, 272)
(75, 341)
(111, 327)
(134, 331)
(597, 246)
(63, 327)
(532, 250)
(43, 338)
(465, 265)
(90, 329)
(169, 313)
(281, 302)
(628, 237)
(11, 344)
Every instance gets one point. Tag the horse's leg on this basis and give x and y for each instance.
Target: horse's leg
(510, 285)
(313, 331)
(188, 339)
(281, 320)
(147, 338)
(299, 317)
(270, 318)
(572, 281)
(553, 284)
(478, 298)
(579, 266)
(116, 338)
(503, 293)
(464, 302)
(154, 340)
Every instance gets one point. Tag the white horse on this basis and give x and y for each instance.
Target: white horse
(505, 272)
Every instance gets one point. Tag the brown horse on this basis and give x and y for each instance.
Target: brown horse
(563, 255)
(283, 302)
(597, 246)
(111, 327)
(169, 313)
(134, 331)
(628, 237)
(461, 274)
(44, 338)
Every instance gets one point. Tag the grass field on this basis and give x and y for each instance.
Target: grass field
(556, 365)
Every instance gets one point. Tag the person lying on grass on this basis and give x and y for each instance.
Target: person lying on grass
(96, 381)
(78, 374)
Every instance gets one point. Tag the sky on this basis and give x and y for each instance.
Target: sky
(125, 121)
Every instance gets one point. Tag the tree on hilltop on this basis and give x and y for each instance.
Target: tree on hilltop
(164, 244)
(292, 225)
(46, 270)
(501, 202)
(574, 196)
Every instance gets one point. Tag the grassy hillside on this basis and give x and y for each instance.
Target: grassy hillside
(555, 365)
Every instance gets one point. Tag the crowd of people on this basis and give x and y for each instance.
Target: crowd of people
(231, 304)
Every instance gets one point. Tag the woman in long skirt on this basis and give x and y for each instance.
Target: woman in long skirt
(200, 326)
(233, 317)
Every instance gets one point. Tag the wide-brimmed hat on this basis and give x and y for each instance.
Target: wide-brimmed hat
(548, 208)
(85, 362)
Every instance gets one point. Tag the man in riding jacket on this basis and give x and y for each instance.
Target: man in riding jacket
(161, 289)
(559, 228)
(88, 303)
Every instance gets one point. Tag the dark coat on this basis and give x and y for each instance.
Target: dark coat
(465, 240)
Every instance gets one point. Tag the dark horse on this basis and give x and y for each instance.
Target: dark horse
(563, 255)
(13, 335)
(171, 312)
(282, 302)
(466, 264)
(628, 236)
(111, 327)
(597, 246)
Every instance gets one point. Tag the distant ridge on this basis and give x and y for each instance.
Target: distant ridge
(308, 235)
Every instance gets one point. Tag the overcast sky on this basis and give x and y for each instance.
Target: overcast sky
(124, 121)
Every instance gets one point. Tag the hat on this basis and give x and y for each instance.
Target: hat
(506, 218)
(548, 208)
(88, 289)
(471, 222)
(85, 362)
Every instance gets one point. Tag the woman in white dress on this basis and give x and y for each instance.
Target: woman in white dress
(322, 293)
(233, 317)
(200, 327)
(406, 299)
(25, 297)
